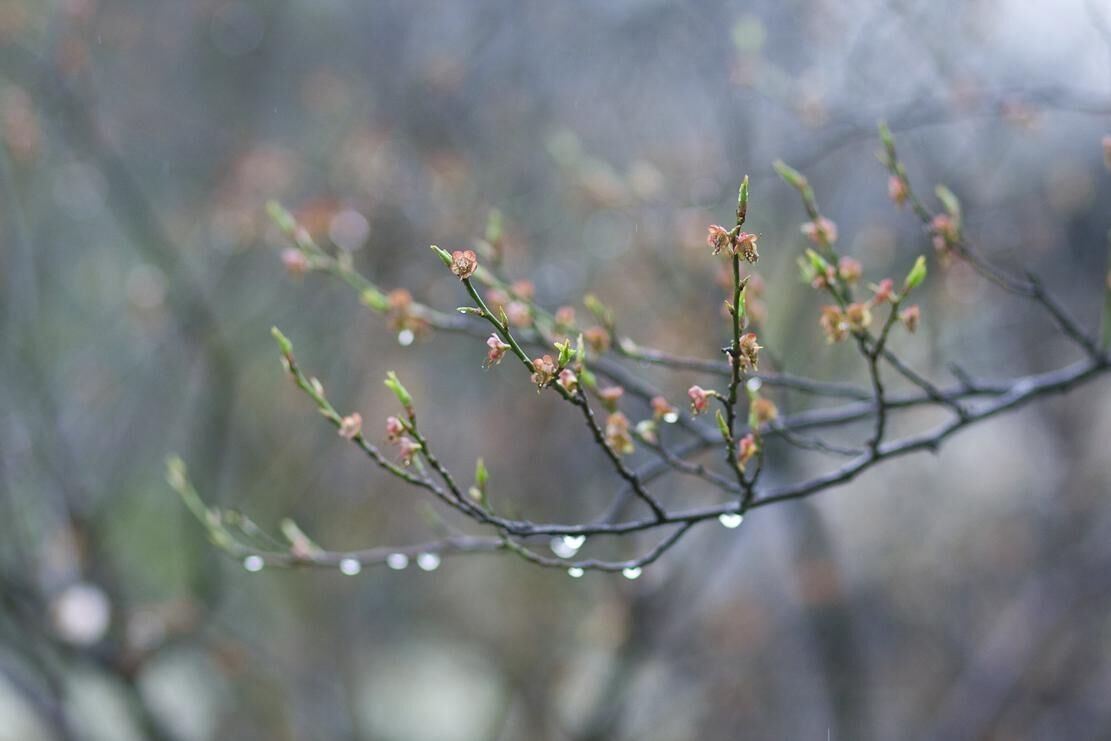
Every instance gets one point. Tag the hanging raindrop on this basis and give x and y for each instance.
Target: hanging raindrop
(633, 572)
(429, 561)
(397, 561)
(574, 541)
(731, 519)
(253, 563)
(405, 337)
(574, 572)
(350, 566)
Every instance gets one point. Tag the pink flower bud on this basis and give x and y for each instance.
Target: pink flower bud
(565, 316)
(745, 246)
(407, 448)
(910, 316)
(497, 299)
(395, 428)
(897, 190)
(399, 299)
(597, 339)
(821, 232)
(748, 351)
(351, 425)
(544, 370)
(568, 380)
(718, 238)
(464, 263)
(883, 291)
(610, 397)
(523, 289)
(824, 279)
(764, 410)
(850, 270)
(518, 314)
(617, 434)
(295, 261)
(834, 324)
(858, 316)
(700, 399)
(661, 408)
(497, 350)
(946, 234)
(746, 449)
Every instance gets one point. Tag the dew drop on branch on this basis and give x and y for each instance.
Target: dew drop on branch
(575, 572)
(566, 546)
(731, 520)
(253, 563)
(405, 337)
(428, 561)
(632, 572)
(350, 566)
(397, 561)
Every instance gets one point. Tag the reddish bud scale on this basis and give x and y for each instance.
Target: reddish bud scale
(700, 399)
(464, 263)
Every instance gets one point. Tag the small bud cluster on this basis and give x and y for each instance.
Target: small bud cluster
(295, 261)
(748, 352)
(897, 190)
(397, 434)
(544, 370)
(763, 410)
(597, 339)
(496, 351)
(400, 314)
(820, 231)
(700, 399)
(946, 234)
(823, 275)
(610, 396)
(514, 303)
(464, 263)
(747, 448)
(617, 434)
(837, 322)
(568, 381)
(662, 409)
(734, 242)
(351, 426)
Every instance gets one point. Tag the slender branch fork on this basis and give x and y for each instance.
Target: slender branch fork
(578, 373)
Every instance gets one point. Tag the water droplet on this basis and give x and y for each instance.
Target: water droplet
(560, 548)
(253, 563)
(753, 384)
(574, 541)
(671, 417)
(397, 561)
(429, 561)
(350, 566)
(633, 572)
(574, 572)
(81, 613)
(731, 519)
(405, 337)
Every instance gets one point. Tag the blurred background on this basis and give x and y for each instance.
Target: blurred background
(963, 595)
